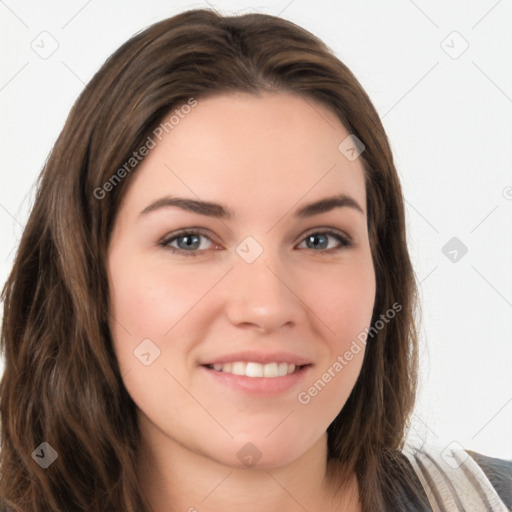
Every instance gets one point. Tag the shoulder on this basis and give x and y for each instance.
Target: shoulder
(499, 473)
(461, 478)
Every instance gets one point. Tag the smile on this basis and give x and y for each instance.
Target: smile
(251, 369)
(278, 378)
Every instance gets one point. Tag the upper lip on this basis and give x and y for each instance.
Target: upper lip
(259, 357)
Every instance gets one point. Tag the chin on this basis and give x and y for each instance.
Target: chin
(256, 452)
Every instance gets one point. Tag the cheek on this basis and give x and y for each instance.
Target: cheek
(149, 307)
(148, 300)
(139, 312)
(343, 299)
(151, 302)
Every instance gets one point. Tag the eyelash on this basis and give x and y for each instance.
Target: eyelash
(344, 241)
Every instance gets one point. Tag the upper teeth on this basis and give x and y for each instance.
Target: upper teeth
(256, 369)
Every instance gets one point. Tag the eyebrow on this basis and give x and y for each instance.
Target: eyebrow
(221, 212)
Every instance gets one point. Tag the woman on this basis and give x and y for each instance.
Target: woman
(212, 305)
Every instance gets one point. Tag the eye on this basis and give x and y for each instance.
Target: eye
(323, 241)
(190, 243)
(187, 243)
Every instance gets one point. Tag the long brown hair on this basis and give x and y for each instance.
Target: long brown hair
(62, 384)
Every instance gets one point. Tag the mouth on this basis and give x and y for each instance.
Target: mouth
(249, 378)
(257, 370)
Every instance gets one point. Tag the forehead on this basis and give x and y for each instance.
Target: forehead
(266, 150)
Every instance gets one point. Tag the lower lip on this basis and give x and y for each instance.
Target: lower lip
(262, 386)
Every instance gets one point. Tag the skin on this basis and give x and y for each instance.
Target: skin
(262, 157)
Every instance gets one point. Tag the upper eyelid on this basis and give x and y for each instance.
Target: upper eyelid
(187, 231)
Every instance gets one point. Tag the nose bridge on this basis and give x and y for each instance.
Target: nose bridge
(258, 291)
(257, 271)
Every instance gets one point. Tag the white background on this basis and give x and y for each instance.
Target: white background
(449, 123)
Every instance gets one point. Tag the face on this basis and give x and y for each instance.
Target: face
(254, 276)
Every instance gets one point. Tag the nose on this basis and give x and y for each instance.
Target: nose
(261, 295)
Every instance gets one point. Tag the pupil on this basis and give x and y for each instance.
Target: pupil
(189, 241)
(314, 241)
